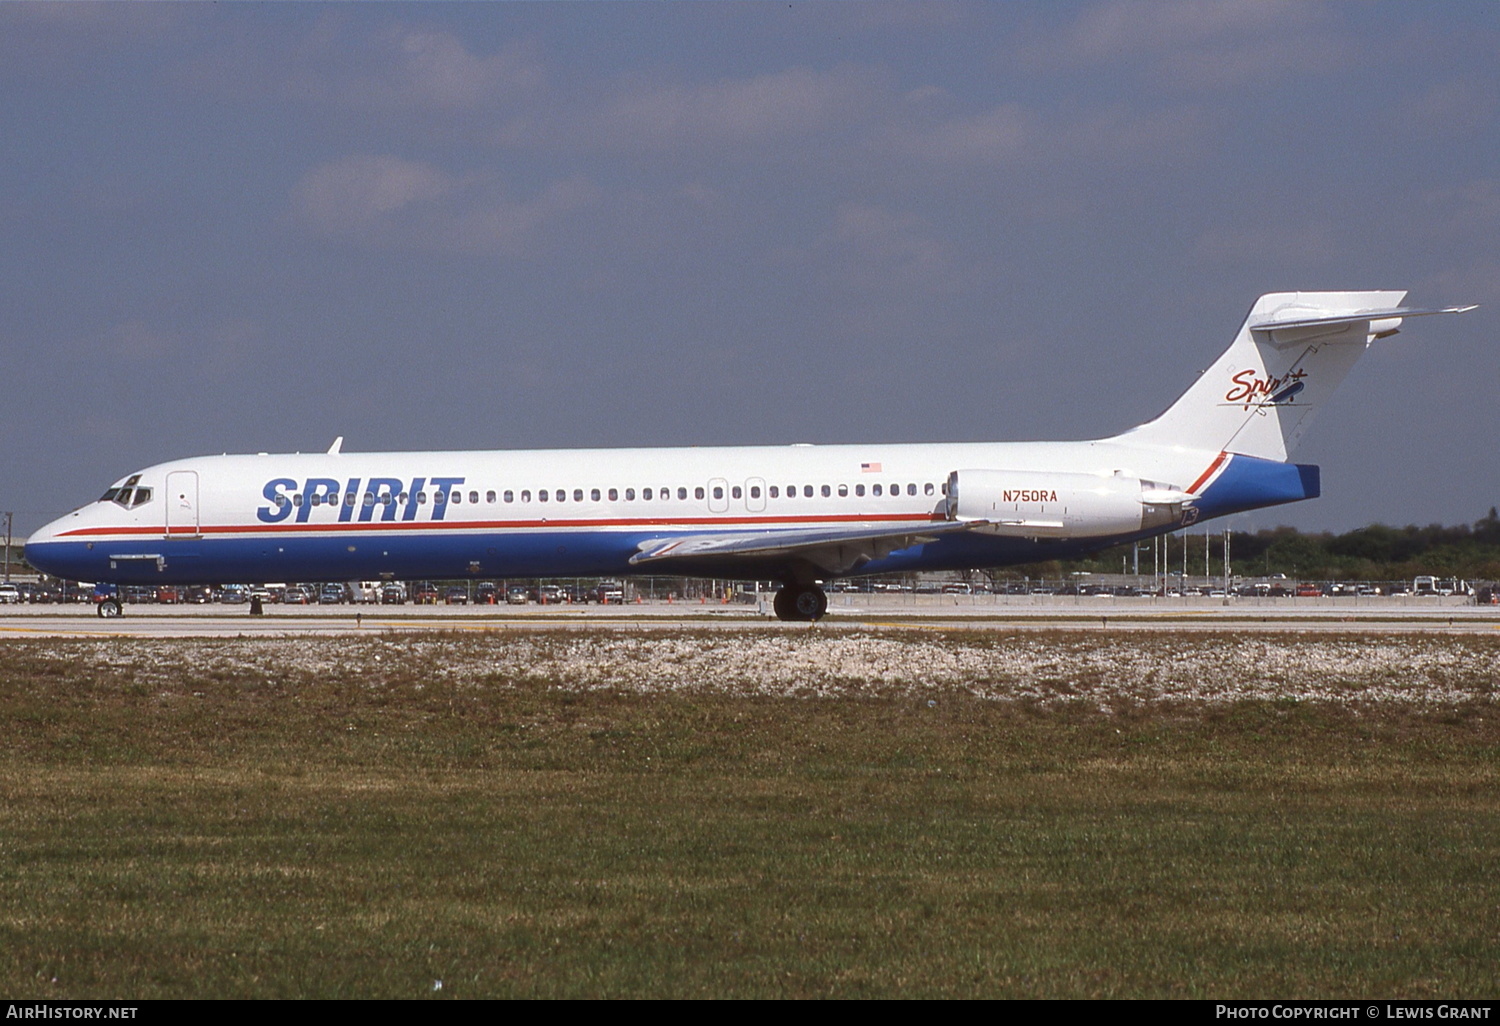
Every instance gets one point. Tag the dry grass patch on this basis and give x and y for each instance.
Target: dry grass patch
(591, 815)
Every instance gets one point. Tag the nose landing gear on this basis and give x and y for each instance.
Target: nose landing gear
(801, 602)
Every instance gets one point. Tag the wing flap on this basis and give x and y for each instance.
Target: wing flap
(834, 549)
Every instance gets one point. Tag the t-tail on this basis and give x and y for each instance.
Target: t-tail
(1291, 353)
(1228, 439)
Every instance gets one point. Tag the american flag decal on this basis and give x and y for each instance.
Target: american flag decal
(869, 468)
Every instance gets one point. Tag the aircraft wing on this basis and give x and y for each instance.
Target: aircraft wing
(834, 549)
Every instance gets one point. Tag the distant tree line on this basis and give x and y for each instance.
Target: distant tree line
(1374, 553)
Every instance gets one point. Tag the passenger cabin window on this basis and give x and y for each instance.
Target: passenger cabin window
(807, 491)
(698, 492)
(525, 495)
(827, 491)
(474, 496)
(775, 492)
(614, 495)
(682, 493)
(489, 497)
(561, 496)
(577, 494)
(843, 491)
(911, 489)
(858, 490)
(510, 496)
(875, 490)
(594, 494)
(541, 495)
(734, 493)
(630, 495)
(718, 491)
(646, 494)
(755, 491)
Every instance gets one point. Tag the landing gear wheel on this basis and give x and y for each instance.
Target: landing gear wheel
(110, 608)
(804, 603)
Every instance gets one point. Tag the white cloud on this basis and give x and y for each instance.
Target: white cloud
(1012, 133)
(355, 193)
(795, 103)
(397, 69)
(1201, 44)
(392, 202)
(434, 69)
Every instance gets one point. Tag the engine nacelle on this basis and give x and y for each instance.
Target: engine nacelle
(1046, 505)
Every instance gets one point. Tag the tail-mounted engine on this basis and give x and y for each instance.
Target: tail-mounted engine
(1043, 505)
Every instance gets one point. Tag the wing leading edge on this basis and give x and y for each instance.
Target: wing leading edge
(835, 550)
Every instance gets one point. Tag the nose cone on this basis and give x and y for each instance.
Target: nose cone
(52, 552)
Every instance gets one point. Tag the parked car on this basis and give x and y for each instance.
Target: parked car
(9, 594)
(393, 595)
(457, 597)
(332, 595)
(517, 596)
(294, 596)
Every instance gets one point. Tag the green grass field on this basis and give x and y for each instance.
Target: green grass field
(211, 819)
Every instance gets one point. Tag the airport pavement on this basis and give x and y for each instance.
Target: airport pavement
(845, 612)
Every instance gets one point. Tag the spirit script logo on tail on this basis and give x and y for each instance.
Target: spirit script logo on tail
(1250, 389)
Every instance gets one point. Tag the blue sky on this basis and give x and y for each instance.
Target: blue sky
(247, 227)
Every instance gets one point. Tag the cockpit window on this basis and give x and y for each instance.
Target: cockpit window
(127, 494)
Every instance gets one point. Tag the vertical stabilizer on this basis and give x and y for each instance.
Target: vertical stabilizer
(1291, 353)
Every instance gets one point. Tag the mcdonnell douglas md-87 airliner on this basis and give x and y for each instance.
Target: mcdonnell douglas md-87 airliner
(800, 514)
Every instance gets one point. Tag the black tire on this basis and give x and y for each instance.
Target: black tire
(800, 604)
(110, 608)
(782, 604)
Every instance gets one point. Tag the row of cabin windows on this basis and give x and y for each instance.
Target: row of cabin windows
(595, 494)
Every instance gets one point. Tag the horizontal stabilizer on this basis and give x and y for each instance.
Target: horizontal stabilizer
(1274, 327)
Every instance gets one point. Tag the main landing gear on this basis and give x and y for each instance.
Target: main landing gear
(110, 607)
(804, 602)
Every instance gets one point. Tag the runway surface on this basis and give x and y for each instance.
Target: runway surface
(1329, 616)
